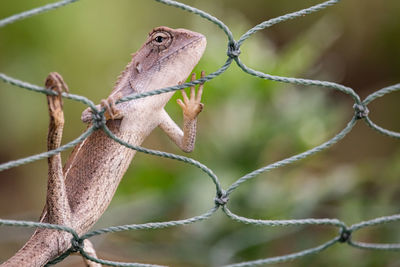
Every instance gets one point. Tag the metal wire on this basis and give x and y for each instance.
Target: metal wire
(222, 196)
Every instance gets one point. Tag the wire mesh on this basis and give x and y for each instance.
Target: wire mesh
(221, 196)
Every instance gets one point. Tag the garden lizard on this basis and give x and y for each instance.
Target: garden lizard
(79, 193)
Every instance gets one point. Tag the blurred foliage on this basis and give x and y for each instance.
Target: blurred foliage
(247, 123)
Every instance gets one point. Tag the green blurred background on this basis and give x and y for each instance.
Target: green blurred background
(247, 123)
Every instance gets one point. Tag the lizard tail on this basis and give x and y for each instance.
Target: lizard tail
(43, 246)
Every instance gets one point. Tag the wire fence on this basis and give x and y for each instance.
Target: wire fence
(222, 195)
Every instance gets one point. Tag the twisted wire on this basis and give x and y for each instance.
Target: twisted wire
(222, 196)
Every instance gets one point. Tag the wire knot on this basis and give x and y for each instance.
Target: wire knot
(221, 199)
(98, 120)
(77, 244)
(233, 49)
(345, 235)
(361, 111)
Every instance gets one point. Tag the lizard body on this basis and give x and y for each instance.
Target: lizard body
(79, 193)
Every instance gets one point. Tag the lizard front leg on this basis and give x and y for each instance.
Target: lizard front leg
(191, 108)
(46, 244)
(58, 209)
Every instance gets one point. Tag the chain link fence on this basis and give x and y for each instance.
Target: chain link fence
(222, 195)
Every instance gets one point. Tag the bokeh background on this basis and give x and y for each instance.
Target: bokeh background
(247, 123)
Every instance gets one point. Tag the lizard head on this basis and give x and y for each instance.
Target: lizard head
(167, 57)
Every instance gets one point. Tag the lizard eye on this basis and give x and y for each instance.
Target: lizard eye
(161, 38)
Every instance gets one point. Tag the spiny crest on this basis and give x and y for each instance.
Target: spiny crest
(125, 72)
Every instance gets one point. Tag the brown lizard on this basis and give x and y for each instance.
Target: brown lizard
(79, 193)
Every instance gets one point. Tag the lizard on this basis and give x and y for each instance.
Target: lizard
(79, 192)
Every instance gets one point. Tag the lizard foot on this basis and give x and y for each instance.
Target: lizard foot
(55, 82)
(192, 106)
(111, 111)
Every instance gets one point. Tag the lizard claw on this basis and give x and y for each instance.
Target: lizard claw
(112, 112)
(109, 104)
(55, 82)
(192, 106)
